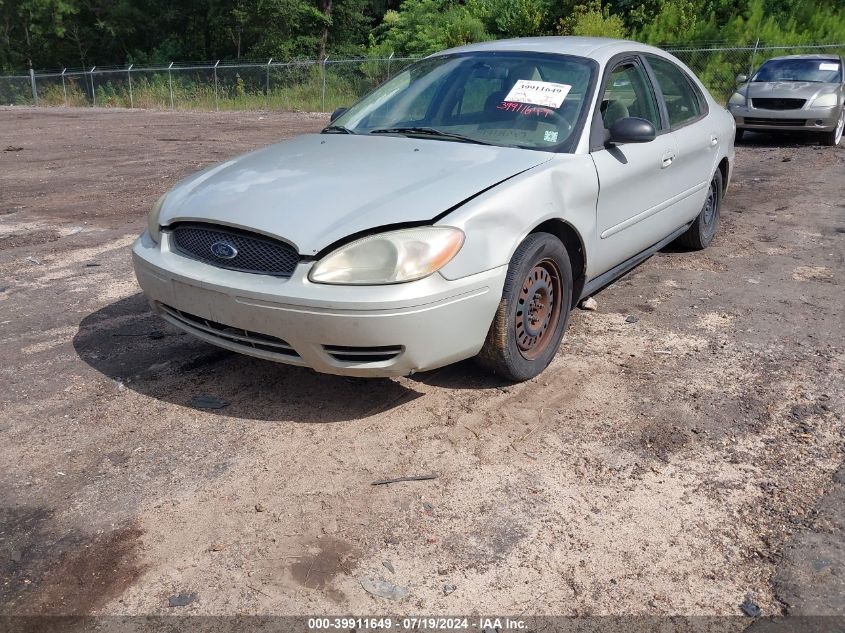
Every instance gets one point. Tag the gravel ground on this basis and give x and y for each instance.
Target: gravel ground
(674, 465)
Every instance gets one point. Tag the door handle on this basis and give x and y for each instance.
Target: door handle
(714, 140)
(668, 157)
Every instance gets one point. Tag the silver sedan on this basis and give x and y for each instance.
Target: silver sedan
(461, 209)
(794, 93)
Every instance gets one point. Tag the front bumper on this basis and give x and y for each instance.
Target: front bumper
(806, 119)
(391, 330)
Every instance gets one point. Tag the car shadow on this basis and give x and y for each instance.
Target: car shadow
(777, 139)
(669, 249)
(466, 374)
(131, 345)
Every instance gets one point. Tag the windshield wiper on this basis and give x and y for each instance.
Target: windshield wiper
(336, 129)
(429, 131)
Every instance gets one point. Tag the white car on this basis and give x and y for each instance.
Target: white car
(461, 209)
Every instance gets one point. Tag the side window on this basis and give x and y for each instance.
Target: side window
(628, 94)
(682, 100)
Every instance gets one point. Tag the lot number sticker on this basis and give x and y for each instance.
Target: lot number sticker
(828, 66)
(541, 93)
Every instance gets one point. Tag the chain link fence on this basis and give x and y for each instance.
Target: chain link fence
(314, 86)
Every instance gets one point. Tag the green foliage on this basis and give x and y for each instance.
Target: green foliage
(669, 21)
(807, 23)
(592, 19)
(84, 33)
(426, 26)
(781, 22)
(28, 26)
(510, 18)
(54, 95)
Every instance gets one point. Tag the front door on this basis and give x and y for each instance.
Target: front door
(636, 180)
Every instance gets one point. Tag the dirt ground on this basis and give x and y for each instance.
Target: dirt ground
(674, 465)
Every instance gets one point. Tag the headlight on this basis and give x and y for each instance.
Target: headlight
(152, 219)
(737, 99)
(825, 101)
(390, 258)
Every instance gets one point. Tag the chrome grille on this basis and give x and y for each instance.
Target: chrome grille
(772, 103)
(238, 336)
(250, 252)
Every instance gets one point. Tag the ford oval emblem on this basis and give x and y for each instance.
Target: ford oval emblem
(224, 250)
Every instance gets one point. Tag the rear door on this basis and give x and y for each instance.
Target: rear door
(636, 179)
(694, 133)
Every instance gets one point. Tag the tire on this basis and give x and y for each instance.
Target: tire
(703, 229)
(539, 275)
(739, 134)
(834, 137)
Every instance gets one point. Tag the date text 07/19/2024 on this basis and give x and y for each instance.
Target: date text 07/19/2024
(419, 623)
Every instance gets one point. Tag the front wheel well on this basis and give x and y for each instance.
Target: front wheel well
(574, 248)
(724, 167)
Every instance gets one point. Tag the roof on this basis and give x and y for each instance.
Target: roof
(599, 48)
(831, 57)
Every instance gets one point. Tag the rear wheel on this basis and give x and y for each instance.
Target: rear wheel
(532, 316)
(701, 233)
(834, 137)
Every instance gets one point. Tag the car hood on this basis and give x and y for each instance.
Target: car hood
(316, 189)
(788, 89)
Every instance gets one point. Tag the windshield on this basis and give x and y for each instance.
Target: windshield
(828, 71)
(525, 100)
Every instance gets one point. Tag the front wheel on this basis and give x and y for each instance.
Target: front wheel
(532, 315)
(738, 135)
(701, 233)
(834, 137)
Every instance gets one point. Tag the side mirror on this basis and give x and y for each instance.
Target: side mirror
(741, 79)
(337, 113)
(631, 130)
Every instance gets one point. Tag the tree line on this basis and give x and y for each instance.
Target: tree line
(80, 33)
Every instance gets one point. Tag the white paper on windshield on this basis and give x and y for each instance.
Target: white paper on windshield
(828, 66)
(541, 93)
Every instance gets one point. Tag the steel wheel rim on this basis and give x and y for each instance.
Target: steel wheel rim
(538, 309)
(711, 209)
(840, 126)
(710, 205)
